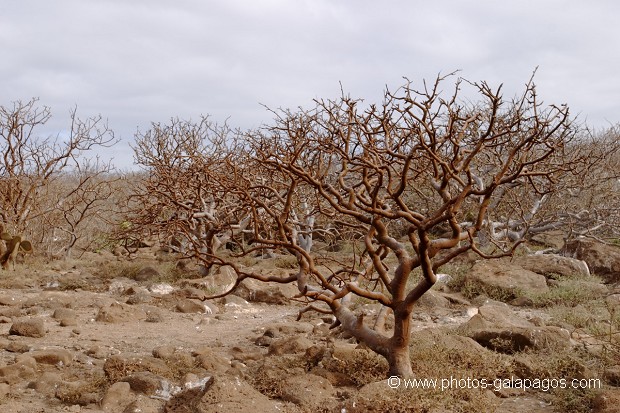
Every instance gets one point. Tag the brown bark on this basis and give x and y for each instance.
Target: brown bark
(398, 356)
(399, 360)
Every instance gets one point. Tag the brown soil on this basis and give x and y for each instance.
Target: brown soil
(154, 324)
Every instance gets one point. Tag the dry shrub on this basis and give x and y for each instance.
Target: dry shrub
(268, 374)
(471, 289)
(379, 397)
(116, 269)
(569, 290)
(179, 364)
(362, 366)
(18, 279)
(28, 272)
(594, 317)
(451, 355)
(565, 364)
(439, 355)
(248, 261)
(435, 355)
(574, 400)
(118, 367)
(82, 391)
(286, 262)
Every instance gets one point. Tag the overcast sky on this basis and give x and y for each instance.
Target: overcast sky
(142, 61)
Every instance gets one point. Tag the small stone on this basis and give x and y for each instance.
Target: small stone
(154, 316)
(245, 356)
(236, 364)
(62, 313)
(97, 352)
(117, 398)
(161, 289)
(68, 322)
(55, 357)
(146, 274)
(522, 302)
(140, 298)
(189, 378)
(28, 328)
(235, 299)
(321, 329)
(211, 308)
(307, 390)
(163, 352)
(26, 358)
(264, 341)
(190, 306)
(613, 301)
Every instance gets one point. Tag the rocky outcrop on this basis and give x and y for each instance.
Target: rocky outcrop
(505, 280)
(546, 264)
(499, 329)
(603, 259)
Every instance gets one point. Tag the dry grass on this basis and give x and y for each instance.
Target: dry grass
(569, 291)
(362, 367)
(472, 289)
(286, 262)
(75, 393)
(268, 375)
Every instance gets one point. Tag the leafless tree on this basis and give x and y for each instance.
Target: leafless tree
(585, 204)
(78, 208)
(181, 199)
(31, 166)
(420, 179)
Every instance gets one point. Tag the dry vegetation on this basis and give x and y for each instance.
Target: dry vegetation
(360, 208)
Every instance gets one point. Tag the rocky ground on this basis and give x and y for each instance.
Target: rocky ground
(115, 334)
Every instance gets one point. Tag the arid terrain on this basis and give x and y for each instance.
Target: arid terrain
(133, 334)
